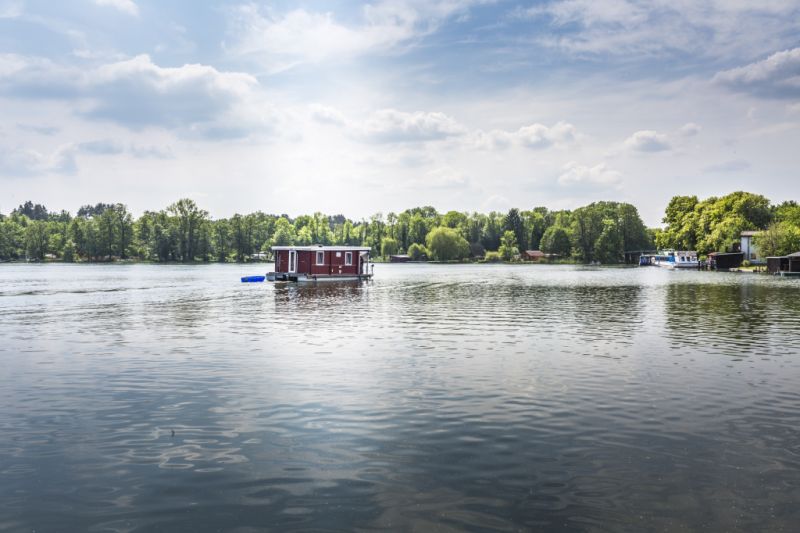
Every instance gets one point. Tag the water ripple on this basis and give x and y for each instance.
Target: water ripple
(444, 398)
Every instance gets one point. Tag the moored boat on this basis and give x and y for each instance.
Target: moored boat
(675, 259)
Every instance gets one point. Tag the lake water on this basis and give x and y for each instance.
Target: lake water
(435, 398)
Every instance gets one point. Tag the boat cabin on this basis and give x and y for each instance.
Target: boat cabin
(320, 263)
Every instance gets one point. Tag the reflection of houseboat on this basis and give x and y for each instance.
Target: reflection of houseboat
(320, 263)
(672, 259)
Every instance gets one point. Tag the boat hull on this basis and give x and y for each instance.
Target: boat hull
(679, 266)
(312, 278)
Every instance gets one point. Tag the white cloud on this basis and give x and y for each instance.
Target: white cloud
(777, 76)
(600, 174)
(137, 93)
(540, 136)
(11, 9)
(126, 6)
(534, 136)
(23, 162)
(690, 129)
(391, 126)
(327, 115)
(443, 177)
(647, 141)
(492, 140)
(282, 41)
(713, 28)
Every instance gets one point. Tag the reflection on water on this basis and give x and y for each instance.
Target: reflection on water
(137, 398)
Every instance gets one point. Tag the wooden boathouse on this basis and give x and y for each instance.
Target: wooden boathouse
(787, 265)
(320, 263)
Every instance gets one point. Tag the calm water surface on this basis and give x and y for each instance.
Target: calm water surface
(435, 398)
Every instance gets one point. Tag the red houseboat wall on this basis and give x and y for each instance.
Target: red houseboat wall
(334, 262)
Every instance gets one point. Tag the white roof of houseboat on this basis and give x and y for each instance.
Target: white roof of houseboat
(321, 248)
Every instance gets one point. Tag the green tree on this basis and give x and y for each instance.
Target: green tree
(508, 249)
(447, 244)
(284, 232)
(780, 238)
(32, 211)
(535, 223)
(12, 238)
(36, 239)
(609, 245)
(69, 252)
(188, 217)
(389, 246)
(556, 241)
(588, 223)
(513, 222)
(492, 231)
(222, 240)
(124, 222)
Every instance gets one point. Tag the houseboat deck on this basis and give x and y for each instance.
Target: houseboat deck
(314, 278)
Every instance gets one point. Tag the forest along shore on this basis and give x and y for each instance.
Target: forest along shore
(599, 232)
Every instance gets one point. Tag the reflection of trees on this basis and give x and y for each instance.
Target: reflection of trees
(529, 316)
(718, 315)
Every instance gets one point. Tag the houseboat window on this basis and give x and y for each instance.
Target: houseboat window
(348, 258)
(320, 258)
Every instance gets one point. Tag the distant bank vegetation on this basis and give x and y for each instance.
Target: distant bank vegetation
(600, 231)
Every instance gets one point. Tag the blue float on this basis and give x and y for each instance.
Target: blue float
(253, 279)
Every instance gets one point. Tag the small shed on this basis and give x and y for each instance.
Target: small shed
(786, 265)
(533, 255)
(725, 261)
(399, 258)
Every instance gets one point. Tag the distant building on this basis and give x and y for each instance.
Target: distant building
(533, 255)
(784, 265)
(747, 247)
(725, 260)
(399, 258)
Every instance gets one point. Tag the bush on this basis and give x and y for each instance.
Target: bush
(417, 252)
(447, 244)
(492, 257)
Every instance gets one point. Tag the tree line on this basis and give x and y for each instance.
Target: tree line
(600, 231)
(183, 232)
(716, 224)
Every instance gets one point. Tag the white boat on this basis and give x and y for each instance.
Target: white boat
(675, 259)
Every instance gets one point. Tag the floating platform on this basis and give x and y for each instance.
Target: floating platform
(315, 278)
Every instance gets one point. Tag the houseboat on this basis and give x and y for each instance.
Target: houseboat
(671, 259)
(321, 263)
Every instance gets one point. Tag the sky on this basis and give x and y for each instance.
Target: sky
(359, 108)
